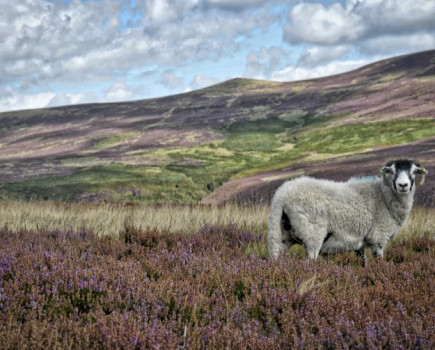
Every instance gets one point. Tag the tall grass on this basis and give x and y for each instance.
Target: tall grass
(111, 219)
(421, 223)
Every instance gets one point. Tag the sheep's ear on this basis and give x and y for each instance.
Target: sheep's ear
(421, 171)
(386, 170)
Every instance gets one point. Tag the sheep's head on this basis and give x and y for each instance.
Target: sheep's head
(400, 175)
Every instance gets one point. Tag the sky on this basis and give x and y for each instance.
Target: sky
(62, 52)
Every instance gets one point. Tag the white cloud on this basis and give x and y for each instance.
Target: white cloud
(293, 73)
(321, 54)
(262, 63)
(158, 12)
(358, 20)
(323, 25)
(201, 81)
(118, 92)
(15, 101)
(62, 99)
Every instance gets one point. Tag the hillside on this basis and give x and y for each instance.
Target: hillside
(248, 135)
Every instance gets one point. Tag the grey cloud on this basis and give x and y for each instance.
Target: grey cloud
(388, 45)
(263, 63)
(322, 25)
(234, 5)
(322, 54)
(358, 20)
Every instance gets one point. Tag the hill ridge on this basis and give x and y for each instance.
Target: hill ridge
(183, 147)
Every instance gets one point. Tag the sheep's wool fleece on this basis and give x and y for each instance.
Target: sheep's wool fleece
(352, 212)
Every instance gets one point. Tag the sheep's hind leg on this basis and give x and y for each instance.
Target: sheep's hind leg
(286, 232)
(279, 228)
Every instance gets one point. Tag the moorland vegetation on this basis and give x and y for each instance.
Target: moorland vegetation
(202, 283)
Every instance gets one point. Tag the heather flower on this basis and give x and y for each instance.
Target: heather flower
(149, 289)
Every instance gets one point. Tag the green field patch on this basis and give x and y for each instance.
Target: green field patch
(276, 161)
(113, 181)
(112, 141)
(251, 141)
(392, 76)
(353, 137)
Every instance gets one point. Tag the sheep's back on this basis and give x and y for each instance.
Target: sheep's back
(345, 207)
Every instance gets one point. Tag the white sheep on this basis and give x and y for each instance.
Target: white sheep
(331, 217)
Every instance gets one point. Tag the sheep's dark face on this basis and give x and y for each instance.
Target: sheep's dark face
(401, 174)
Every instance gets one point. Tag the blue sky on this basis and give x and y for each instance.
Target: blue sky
(60, 52)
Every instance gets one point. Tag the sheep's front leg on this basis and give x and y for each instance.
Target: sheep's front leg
(361, 253)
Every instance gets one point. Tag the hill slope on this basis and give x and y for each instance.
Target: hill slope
(181, 148)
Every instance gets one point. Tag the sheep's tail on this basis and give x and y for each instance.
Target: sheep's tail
(274, 234)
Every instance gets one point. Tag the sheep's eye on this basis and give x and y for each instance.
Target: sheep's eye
(387, 170)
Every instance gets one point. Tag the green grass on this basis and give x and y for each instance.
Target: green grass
(112, 141)
(111, 181)
(251, 141)
(354, 137)
(187, 174)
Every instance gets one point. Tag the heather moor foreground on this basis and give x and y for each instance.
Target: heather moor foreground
(208, 287)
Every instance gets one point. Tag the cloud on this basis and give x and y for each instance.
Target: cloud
(11, 100)
(64, 99)
(171, 80)
(262, 63)
(234, 5)
(202, 81)
(388, 45)
(322, 54)
(118, 92)
(69, 41)
(358, 20)
(318, 24)
(293, 73)
(158, 12)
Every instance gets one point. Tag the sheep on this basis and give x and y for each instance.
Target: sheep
(331, 217)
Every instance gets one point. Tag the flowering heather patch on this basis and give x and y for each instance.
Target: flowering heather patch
(148, 289)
